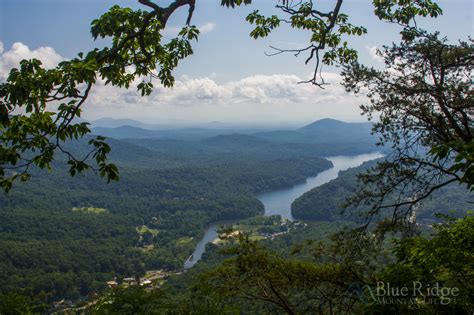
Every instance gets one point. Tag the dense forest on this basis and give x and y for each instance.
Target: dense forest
(150, 219)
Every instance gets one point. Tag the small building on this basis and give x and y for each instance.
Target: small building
(130, 281)
(146, 282)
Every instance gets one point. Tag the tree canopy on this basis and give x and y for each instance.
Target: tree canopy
(423, 102)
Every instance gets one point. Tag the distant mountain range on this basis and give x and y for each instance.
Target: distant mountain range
(115, 123)
(131, 132)
(321, 131)
(126, 131)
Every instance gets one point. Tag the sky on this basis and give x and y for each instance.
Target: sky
(228, 78)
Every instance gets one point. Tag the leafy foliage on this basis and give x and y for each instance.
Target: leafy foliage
(132, 300)
(443, 261)
(38, 105)
(424, 103)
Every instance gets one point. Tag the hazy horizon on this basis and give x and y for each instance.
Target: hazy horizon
(107, 122)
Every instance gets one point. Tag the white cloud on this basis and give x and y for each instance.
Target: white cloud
(11, 58)
(268, 98)
(264, 88)
(374, 53)
(207, 27)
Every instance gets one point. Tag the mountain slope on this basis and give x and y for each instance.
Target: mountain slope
(323, 131)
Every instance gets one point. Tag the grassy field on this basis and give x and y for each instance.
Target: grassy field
(89, 210)
(144, 229)
(183, 240)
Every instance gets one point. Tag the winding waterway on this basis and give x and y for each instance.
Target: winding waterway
(279, 201)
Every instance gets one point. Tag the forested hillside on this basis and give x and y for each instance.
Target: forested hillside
(84, 232)
(325, 202)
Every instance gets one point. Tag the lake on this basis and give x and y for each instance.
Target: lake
(279, 201)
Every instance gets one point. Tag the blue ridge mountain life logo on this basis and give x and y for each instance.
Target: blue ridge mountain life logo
(416, 293)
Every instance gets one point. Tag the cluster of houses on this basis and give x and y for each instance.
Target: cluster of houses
(152, 279)
(286, 226)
